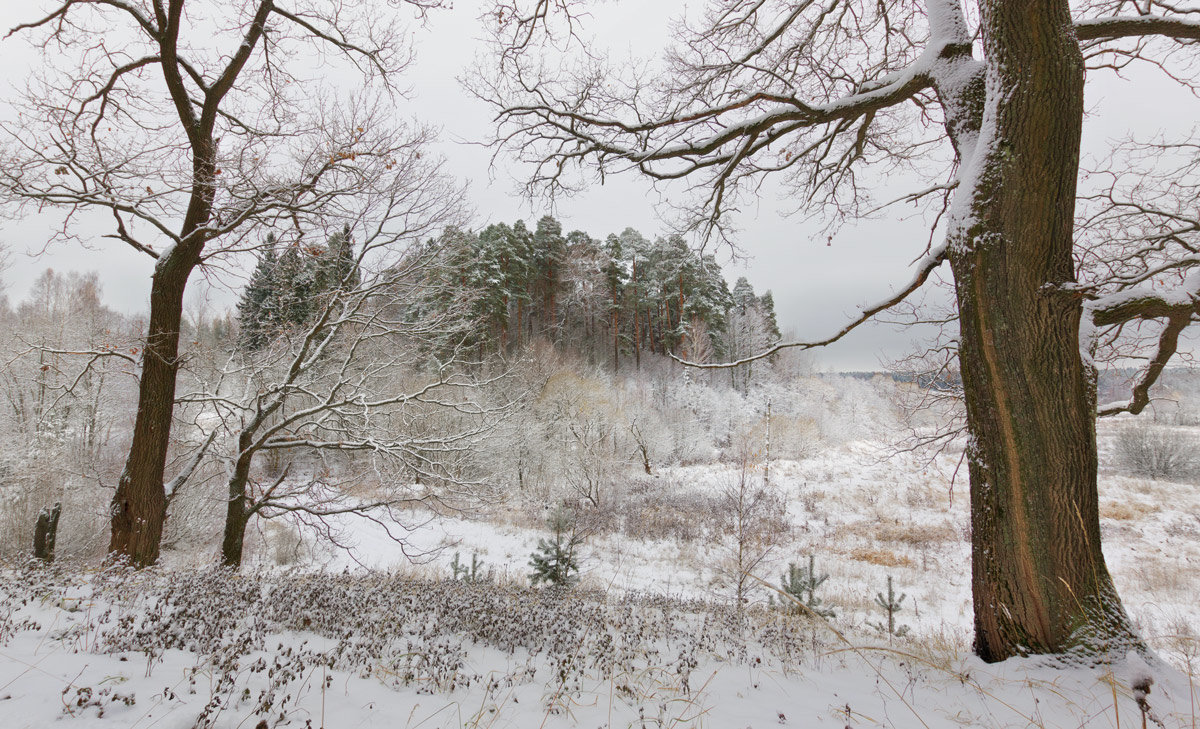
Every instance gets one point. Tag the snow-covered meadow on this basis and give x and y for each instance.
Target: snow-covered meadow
(651, 638)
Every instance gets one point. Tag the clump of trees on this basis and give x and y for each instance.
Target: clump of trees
(287, 289)
(611, 299)
(192, 130)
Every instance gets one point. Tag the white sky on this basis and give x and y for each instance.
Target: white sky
(816, 286)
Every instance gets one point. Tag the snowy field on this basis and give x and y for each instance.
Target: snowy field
(651, 637)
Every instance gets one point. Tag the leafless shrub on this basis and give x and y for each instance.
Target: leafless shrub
(1161, 453)
(654, 509)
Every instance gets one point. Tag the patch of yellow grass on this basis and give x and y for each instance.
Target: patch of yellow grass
(882, 557)
(1125, 510)
(904, 532)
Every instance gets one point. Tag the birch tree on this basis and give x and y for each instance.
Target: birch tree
(816, 93)
(188, 125)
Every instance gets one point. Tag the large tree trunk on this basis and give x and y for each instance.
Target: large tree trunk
(139, 505)
(1040, 584)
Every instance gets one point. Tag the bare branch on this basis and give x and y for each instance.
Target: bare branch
(927, 266)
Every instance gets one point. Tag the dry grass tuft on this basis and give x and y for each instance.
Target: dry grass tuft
(1126, 510)
(882, 557)
(920, 536)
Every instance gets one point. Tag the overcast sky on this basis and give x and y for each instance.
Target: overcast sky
(818, 284)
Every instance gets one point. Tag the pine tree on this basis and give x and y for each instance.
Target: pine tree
(548, 259)
(800, 585)
(555, 561)
(890, 605)
(254, 323)
(615, 278)
(766, 303)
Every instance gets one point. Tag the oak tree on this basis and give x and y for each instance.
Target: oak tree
(189, 125)
(818, 92)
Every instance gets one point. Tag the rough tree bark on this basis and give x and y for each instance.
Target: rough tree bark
(139, 506)
(237, 513)
(133, 127)
(45, 533)
(1040, 584)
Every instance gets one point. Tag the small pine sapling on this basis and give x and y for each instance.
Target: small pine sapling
(465, 573)
(891, 605)
(555, 561)
(800, 585)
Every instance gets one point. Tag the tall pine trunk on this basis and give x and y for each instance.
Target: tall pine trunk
(1039, 579)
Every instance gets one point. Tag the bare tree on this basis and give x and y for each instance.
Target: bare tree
(817, 92)
(353, 387)
(1138, 256)
(753, 518)
(68, 376)
(190, 125)
(372, 374)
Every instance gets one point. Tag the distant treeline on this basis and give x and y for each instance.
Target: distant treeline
(610, 300)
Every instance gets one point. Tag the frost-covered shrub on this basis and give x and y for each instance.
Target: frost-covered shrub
(656, 508)
(1157, 452)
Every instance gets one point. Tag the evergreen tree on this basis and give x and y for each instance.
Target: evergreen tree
(335, 266)
(615, 279)
(254, 322)
(489, 275)
(743, 295)
(548, 259)
(290, 303)
(766, 302)
(555, 561)
(800, 585)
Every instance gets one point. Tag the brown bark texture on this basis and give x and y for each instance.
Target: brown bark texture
(1040, 584)
(237, 508)
(139, 506)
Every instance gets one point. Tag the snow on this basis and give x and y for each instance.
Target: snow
(54, 673)
(865, 512)
(1184, 295)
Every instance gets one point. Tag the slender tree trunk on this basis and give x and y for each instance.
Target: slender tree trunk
(237, 513)
(637, 321)
(616, 327)
(1039, 580)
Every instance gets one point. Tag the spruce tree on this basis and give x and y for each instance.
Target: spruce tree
(253, 322)
(290, 302)
(555, 561)
(336, 266)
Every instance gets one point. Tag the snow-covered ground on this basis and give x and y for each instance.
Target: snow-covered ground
(864, 512)
(203, 649)
(650, 639)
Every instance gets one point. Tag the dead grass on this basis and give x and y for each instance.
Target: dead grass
(882, 557)
(1126, 510)
(1161, 576)
(896, 531)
